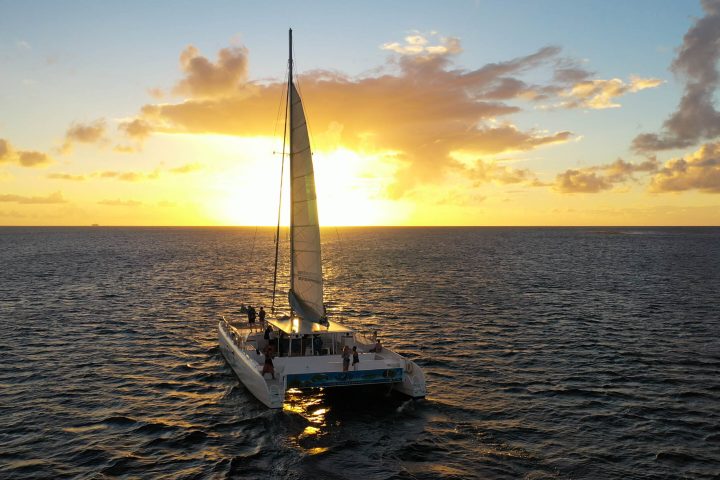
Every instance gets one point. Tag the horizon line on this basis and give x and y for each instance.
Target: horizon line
(361, 226)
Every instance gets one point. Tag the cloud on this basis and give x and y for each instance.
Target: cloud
(510, 138)
(156, 93)
(49, 199)
(128, 176)
(93, 132)
(205, 79)
(481, 172)
(698, 171)
(120, 203)
(136, 131)
(32, 159)
(24, 158)
(419, 44)
(603, 177)
(579, 181)
(419, 110)
(569, 73)
(187, 168)
(600, 94)
(126, 148)
(696, 118)
(67, 176)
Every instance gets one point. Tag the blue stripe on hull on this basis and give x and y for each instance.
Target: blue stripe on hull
(352, 377)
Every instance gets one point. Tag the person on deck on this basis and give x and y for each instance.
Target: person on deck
(317, 344)
(268, 366)
(267, 335)
(377, 348)
(346, 358)
(262, 315)
(356, 358)
(252, 314)
(243, 308)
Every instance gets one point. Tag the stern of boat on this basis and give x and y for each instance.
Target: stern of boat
(413, 380)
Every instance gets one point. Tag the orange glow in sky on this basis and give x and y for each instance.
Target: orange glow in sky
(415, 121)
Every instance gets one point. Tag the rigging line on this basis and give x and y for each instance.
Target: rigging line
(280, 103)
(282, 175)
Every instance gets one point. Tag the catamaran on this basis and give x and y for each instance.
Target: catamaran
(307, 350)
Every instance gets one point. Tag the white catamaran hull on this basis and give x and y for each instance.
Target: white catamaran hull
(239, 347)
(271, 393)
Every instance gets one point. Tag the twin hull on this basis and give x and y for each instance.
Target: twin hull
(316, 371)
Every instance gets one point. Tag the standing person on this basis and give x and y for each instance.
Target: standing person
(252, 314)
(317, 344)
(262, 315)
(268, 366)
(356, 358)
(346, 358)
(267, 336)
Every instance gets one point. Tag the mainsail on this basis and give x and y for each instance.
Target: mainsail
(306, 284)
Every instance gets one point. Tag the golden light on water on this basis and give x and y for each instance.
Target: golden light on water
(317, 450)
(310, 430)
(305, 404)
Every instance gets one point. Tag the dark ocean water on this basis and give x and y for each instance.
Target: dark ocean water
(550, 353)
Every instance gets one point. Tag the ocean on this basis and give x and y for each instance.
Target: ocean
(558, 353)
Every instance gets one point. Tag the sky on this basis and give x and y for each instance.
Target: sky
(553, 113)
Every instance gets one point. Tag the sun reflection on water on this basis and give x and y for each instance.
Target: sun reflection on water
(309, 406)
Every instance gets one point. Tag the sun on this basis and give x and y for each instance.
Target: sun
(243, 185)
(348, 191)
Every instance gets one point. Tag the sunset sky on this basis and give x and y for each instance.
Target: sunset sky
(420, 113)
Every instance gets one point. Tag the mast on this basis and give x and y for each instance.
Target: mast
(290, 138)
(282, 170)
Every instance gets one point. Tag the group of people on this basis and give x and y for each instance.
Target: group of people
(269, 350)
(346, 353)
(253, 314)
(346, 357)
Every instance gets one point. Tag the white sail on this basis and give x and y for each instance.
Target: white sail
(306, 282)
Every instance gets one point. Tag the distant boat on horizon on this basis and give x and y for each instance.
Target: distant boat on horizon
(305, 348)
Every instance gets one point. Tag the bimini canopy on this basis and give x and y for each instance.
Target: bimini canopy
(299, 326)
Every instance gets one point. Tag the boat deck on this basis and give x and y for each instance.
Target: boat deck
(301, 362)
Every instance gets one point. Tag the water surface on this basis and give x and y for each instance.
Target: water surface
(550, 353)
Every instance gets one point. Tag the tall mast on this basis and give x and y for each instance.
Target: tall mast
(290, 102)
